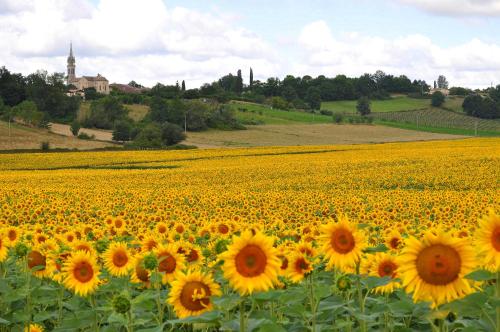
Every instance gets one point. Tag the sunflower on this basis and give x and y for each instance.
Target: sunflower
(40, 263)
(191, 292)
(170, 263)
(394, 240)
(81, 273)
(13, 235)
(434, 268)
(251, 263)
(117, 259)
(33, 328)
(382, 265)
(342, 244)
(140, 275)
(3, 248)
(299, 265)
(488, 240)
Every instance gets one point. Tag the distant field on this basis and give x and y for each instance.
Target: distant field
(454, 103)
(391, 105)
(251, 113)
(30, 138)
(136, 112)
(438, 118)
(307, 134)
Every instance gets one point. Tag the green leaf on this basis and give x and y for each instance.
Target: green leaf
(271, 327)
(379, 248)
(3, 321)
(371, 282)
(480, 275)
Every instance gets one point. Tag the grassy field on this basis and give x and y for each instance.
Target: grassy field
(30, 138)
(251, 113)
(438, 118)
(136, 112)
(402, 103)
(307, 134)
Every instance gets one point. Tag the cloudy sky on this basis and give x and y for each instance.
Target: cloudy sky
(164, 41)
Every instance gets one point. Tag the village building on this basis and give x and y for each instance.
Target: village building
(99, 82)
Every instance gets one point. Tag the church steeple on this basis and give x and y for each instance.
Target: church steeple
(71, 65)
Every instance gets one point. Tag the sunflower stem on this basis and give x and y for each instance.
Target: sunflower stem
(362, 323)
(242, 315)
(28, 294)
(60, 304)
(313, 305)
(130, 321)
(497, 294)
(94, 309)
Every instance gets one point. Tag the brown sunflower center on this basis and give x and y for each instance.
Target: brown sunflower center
(118, 223)
(387, 269)
(394, 243)
(438, 264)
(301, 265)
(190, 296)
(12, 235)
(193, 256)
(142, 273)
(83, 272)
(167, 263)
(284, 262)
(223, 229)
(120, 258)
(251, 261)
(342, 241)
(162, 229)
(35, 258)
(495, 238)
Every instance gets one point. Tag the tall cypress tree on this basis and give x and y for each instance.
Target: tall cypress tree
(183, 86)
(251, 77)
(239, 82)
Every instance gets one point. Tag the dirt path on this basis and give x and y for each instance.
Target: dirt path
(317, 134)
(100, 135)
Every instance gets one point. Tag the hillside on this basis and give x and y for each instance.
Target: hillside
(30, 138)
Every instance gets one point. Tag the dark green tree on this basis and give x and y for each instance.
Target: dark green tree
(122, 131)
(171, 134)
(183, 86)
(313, 98)
(437, 99)
(239, 83)
(363, 106)
(442, 83)
(150, 136)
(251, 78)
(75, 127)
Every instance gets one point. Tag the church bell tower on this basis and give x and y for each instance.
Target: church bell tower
(71, 65)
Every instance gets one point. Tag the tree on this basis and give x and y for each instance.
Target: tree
(472, 105)
(435, 85)
(91, 94)
(239, 83)
(251, 77)
(442, 83)
(149, 137)
(12, 87)
(122, 131)
(313, 98)
(494, 93)
(75, 127)
(363, 106)
(183, 86)
(28, 112)
(437, 99)
(135, 84)
(171, 134)
(159, 109)
(279, 103)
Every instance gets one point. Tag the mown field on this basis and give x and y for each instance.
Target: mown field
(387, 237)
(401, 103)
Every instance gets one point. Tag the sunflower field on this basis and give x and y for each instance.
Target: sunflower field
(387, 237)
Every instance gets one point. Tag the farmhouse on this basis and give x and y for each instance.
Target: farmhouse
(99, 82)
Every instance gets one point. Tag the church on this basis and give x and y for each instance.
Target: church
(99, 82)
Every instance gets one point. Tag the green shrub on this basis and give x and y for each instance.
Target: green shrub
(45, 146)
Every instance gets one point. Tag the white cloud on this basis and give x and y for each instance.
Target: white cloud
(473, 64)
(457, 7)
(128, 39)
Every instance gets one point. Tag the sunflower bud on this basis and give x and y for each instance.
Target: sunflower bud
(121, 304)
(206, 253)
(150, 262)
(220, 246)
(101, 245)
(344, 283)
(21, 250)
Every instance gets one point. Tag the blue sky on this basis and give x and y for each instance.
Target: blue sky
(167, 40)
